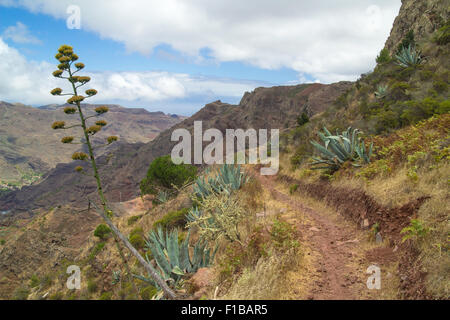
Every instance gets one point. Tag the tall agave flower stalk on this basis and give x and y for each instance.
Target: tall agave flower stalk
(68, 69)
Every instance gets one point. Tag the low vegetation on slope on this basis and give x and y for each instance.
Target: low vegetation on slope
(389, 175)
(403, 109)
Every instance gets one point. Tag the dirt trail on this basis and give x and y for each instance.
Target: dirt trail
(338, 250)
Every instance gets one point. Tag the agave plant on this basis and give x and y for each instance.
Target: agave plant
(116, 277)
(162, 197)
(363, 154)
(204, 187)
(193, 215)
(174, 259)
(232, 177)
(381, 91)
(228, 178)
(409, 57)
(340, 148)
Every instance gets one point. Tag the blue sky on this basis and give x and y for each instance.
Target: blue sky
(175, 57)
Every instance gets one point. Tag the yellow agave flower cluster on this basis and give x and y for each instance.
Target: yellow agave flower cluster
(66, 58)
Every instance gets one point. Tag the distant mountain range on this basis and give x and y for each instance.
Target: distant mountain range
(29, 147)
(264, 108)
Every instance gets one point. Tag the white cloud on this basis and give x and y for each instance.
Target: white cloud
(30, 82)
(20, 34)
(21, 80)
(329, 40)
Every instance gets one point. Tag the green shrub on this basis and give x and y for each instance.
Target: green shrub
(102, 231)
(407, 41)
(72, 296)
(394, 115)
(230, 262)
(373, 169)
(384, 56)
(98, 247)
(136, 238)
(2, 242)
(164, 173)
(342, 101)
(91, 286)
(219, 215)
(137, 230)
(172, 219)
(148, 292)
(127, 292)
(444, 107)
(440, 86)
(137, 241)
(302, 119)
(283, 235)
(34, 281)
(21, 293)
(106, 295)
(404, 73)
(299, 157)
(56, 296)
(415, 231)
(133, 219)
(373, 231)
(293, 188)
(46, 281)
(426, 75)
(442, 36)
(398, 91)
(414, 111)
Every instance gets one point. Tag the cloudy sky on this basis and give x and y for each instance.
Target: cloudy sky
(177, 55)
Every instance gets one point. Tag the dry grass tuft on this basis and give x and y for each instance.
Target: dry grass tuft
(267, 280)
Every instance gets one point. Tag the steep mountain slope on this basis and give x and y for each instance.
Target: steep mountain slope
(422, 17)
(404, 110)
(307, 234)
(29, 147)
(268, 108)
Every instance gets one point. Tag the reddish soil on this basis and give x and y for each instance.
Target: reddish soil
(359, 207)
(337, 244)
(383, 255)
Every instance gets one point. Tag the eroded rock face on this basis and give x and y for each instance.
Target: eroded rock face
(421, 16)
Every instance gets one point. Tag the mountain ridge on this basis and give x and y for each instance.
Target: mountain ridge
(264, 108)
(30, 148)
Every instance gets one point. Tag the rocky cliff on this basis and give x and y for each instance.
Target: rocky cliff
(423, 17)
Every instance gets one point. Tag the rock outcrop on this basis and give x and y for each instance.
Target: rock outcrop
(423, 17)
